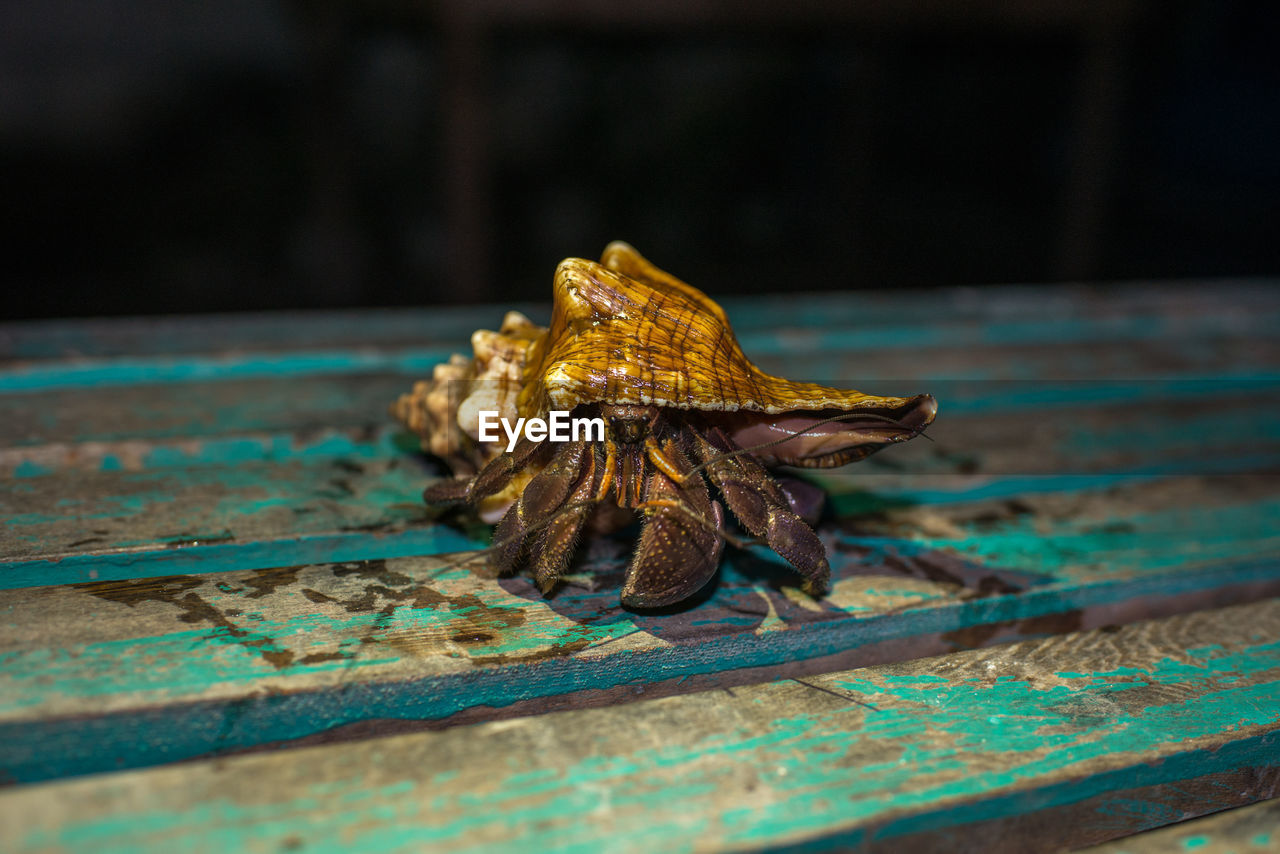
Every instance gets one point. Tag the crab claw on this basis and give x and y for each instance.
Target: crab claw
(765, 509)
(789, 536)
(680, 545)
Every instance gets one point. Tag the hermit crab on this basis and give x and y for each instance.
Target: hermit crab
(654, 362)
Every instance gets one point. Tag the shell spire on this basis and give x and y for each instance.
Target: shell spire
(625, 332)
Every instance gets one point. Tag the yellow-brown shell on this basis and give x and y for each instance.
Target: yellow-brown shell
(622, 332)
(625, 332)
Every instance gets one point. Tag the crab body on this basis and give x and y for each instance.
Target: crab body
(684, 410)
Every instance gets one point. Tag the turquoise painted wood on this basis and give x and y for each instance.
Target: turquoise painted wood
(206, 463)
(1000, 316)
(253, 501)
(995, 747)
(192, 665)
(213, 539)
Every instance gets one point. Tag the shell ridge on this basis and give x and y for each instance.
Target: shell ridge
(623, 331)
(626, 332)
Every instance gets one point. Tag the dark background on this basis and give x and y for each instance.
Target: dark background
(247, 154)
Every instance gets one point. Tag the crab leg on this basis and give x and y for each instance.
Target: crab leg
(680, 545)
(659, 459)
(638, 472)
(629, 483)
(610, 464)
(544, 495)
(495, 476)
(448, 491)
(560, 536)
(763, 509)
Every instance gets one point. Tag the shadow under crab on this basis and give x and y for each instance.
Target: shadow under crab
(684, 410)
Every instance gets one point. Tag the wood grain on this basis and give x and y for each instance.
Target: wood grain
(996, 315)
(922, 748)
(119, 506)
(1232, 831)
(118, 673)
(213, 543)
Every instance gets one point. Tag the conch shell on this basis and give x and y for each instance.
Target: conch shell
(624, 332)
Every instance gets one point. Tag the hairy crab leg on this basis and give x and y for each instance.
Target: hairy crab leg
(805, 499)
(764, 509)
(639, 472)
(545, 494)
(624, 477)
(610, 463)
(495, 476)
(448, 491)
(659, 459)
(560, 536)
(679, 548)
(630, 479)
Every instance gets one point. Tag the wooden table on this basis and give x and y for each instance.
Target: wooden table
(228, 623)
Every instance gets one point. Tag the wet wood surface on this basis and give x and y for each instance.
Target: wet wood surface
(213, 539)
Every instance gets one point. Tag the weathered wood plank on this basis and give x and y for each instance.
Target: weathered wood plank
(264, 501)
(1033, 746)
(288, 499)
(123, 673)
(130, 371)
(78, 526)
(768, 329)
(201, 410)
(1172, 309)
(98, 511)
(113, 510)
(266, 332)
(827, 353)
(153, 426)
(265, 445)
(1213, 423)
(1254, 828)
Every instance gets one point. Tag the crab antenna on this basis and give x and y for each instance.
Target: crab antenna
(844, 416)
